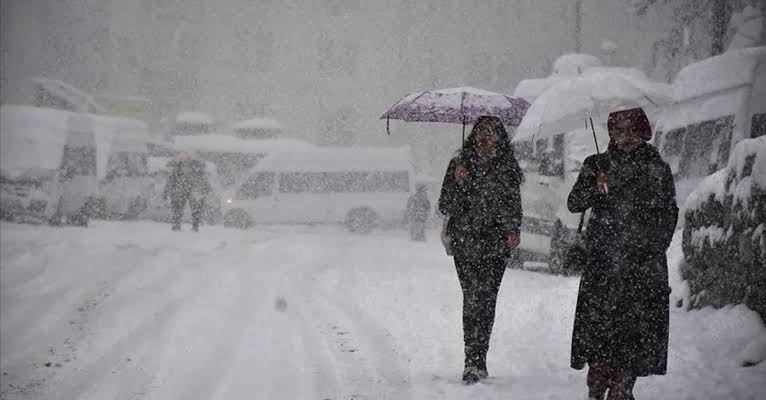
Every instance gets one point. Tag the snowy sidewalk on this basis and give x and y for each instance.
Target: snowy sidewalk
(133, 311)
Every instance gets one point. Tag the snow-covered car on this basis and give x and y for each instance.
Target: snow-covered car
(361, 187)
(717, 103)
(158, 208)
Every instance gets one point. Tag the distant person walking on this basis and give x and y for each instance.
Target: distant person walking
(481, 196)
(418, 208)
(187, 182)
(622, 317)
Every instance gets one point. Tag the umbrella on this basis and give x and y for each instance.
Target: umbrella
(594, 94)
(462, 105)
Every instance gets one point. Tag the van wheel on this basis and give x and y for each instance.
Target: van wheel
(237, 218)
(361, 220)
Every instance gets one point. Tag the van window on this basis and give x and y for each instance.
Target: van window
(706, 147)
(344, 182)
(126, 164)
(758, 127)
(78, 161)
(674, 143)
(258, 185)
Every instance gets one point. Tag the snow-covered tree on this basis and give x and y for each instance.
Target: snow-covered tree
(715, 14)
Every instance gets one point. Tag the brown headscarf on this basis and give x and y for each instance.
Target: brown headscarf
(639, 123)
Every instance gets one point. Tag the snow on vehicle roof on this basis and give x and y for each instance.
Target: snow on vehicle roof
(230, 144)
(708, 89)
(714, 74)
(34, 137)
(574, 64)
(337, 159)
(195, 118)
(257, 123)
(83, 101)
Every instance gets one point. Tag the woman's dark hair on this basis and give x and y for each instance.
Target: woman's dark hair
(504, 155)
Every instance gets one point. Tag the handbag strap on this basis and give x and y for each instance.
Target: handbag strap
(582, 220)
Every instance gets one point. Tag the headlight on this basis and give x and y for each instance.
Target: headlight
(229, 200)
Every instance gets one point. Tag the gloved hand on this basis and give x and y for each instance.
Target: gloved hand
(602, 183)
(460, 171)
(514, 239)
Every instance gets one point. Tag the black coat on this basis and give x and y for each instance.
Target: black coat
(483, 208)
(622, 316)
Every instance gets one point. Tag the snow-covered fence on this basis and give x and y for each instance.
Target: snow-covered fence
(723, 239)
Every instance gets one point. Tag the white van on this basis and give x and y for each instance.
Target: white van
(717, 102)
(362, 187)
(33, 144)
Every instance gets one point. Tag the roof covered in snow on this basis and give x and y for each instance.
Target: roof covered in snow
(715, 74)
(231, 144)
(713, 88)
(79, 99)
(195, 118)
(32, 137)
(258, 123)
(574, 64)
(337, 159)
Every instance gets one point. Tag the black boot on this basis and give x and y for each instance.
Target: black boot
(482, 366)
(596, 392)
(471, 375)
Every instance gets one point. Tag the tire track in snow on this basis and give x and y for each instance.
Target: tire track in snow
(141, 338)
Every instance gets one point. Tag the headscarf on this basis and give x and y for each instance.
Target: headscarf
(638, 122)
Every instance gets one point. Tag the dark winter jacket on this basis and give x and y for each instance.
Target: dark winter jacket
(187, 179)
(483, 208)
(622, 316)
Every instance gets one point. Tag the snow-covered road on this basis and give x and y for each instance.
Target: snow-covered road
(134, 311)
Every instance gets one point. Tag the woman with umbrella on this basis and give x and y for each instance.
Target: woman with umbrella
(622, 315)
(481, 196)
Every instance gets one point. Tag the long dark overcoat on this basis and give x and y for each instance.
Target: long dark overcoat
(622, 316)
(484, 207)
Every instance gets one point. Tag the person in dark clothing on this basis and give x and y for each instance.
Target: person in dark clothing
(622, 315)
(187, 182)
(418, 208)
(481, 196)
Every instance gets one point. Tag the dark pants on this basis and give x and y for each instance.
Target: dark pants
(480, 281)
(619, 384)
(196, 207)
(418, 231)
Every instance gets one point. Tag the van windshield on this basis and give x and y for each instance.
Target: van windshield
(126, 163)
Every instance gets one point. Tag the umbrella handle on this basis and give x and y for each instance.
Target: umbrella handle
(594, 133)
(388, 129)
(462, 144)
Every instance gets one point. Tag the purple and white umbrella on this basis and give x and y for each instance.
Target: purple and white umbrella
(462, 105)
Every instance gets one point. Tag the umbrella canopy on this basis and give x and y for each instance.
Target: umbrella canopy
(593, 95)
(462, 105)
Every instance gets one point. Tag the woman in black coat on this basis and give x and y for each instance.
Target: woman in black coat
(481, 196)
(622, 316)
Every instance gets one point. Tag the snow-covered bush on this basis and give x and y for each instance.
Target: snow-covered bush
(723, 239)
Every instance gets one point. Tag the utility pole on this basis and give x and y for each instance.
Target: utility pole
(578, 26)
